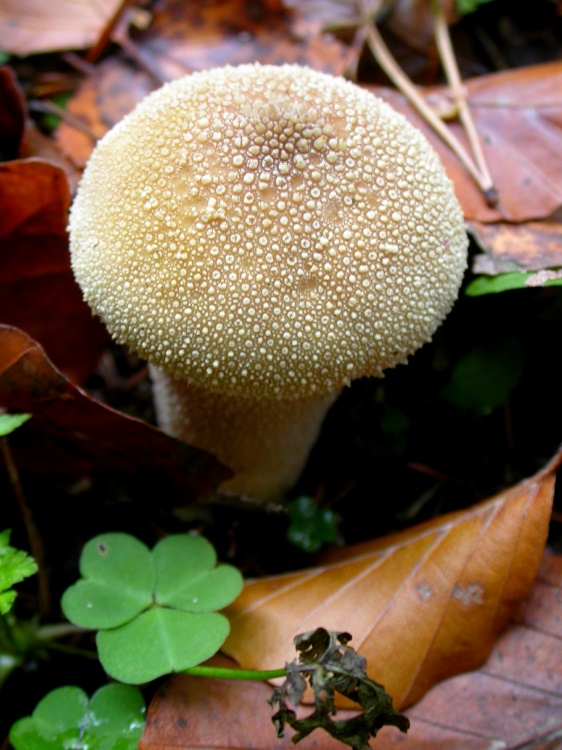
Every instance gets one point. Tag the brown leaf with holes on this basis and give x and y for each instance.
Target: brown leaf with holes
(518, 115)
(184, 37)
(513, 702)
(71, 434)
(32, 26)
(37, 288)
(531, 246)
(12, 114)
(422, 605)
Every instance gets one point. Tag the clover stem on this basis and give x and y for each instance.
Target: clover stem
(228, 673)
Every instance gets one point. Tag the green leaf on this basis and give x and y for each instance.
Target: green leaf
(15, 565)
(156, 611)
(160, 641)
(311, 526)
(462, 7)
(65, 718)
(186, 577)
(484, 379)
(10, 422)
(504, 282)
(118, 584)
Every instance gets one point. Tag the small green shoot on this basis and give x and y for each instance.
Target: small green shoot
(66, 718)
(484, 379)
(15, 565)
(328, 665)
(156, 611)
(10, 422)
(463, 7)
(505, 282)
(311, 526)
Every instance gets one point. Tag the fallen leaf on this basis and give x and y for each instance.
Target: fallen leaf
(454, 582)
(518, 115)
(412, 21)
(513, 702)
(12, 114)
(72, 434)
(195, 36)
(37, 288)
(184, 37)
(534, 245)
(32, 26)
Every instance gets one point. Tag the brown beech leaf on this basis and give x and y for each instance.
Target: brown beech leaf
(31, 26)
(184, 37)
(37, 289)
(513, 702)
(71, 433)
(12, 114)
(422, 605)
(518, 114)
(531, 246)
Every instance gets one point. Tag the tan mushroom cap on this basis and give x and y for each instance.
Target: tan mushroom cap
(267, 231)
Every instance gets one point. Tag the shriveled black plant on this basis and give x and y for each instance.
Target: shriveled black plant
(328, 665)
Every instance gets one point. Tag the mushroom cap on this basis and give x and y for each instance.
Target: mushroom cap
(267, 231)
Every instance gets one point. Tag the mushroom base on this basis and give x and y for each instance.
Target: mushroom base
(265, 442)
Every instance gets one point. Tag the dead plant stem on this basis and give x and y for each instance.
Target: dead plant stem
(393, 70)
(35, 541)
(451, 70)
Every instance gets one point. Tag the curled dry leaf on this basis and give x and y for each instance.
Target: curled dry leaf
(37, 289)
(517, 247)
(518, 115)
(32, 26)
(184, 37)
(422, 605)
(71, 433)
(513, 701)
(12, 114)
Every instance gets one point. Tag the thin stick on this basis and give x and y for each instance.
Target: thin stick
(35, 542)
(450, 67)
(402, 82)
(385, 59)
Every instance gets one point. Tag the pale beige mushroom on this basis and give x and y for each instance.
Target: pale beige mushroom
(264, 235)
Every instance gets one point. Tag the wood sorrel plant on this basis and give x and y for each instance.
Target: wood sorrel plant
(156, 612)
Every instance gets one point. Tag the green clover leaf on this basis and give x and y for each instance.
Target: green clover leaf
(11, 422)
(155, 610)
(15, 565)
(65, 718)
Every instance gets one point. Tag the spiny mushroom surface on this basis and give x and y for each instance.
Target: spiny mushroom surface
(267, 233)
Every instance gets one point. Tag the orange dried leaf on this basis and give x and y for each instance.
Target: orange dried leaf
(32, 26)
(421, 605)
(518, 115)
(72, 434)
(37, 288)
(184, 37)
(511, 247)
(513, 701)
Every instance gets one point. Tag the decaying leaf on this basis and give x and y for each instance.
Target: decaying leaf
(37, 289)
(422, 605)
(12, 114)
(184, 37)
(518, 115)
(513, 702)
(72, 434)
(32, 26)
(534, 245)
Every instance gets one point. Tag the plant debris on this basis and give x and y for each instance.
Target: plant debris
(329, 665)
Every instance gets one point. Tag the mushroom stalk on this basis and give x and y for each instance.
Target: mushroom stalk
(265, 442)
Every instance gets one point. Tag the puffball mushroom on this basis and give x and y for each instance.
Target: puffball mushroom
(263, 235)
